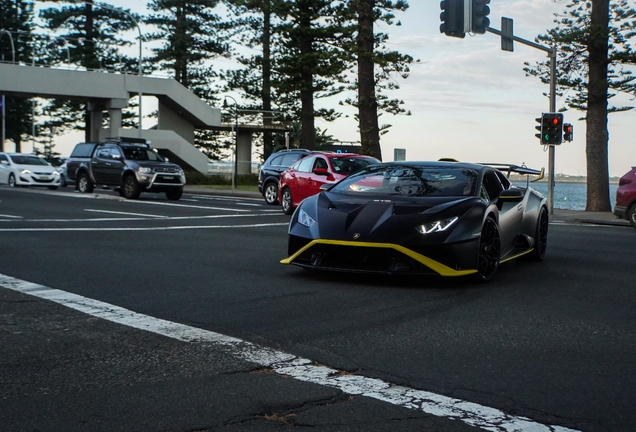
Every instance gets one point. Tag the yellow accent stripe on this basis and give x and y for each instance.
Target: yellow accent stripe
(438, 267)
(517, 256)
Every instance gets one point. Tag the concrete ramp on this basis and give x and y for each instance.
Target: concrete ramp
(180, 110)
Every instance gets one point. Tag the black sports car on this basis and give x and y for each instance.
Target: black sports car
(446, 218)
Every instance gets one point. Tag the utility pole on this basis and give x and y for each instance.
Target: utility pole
(507, 39)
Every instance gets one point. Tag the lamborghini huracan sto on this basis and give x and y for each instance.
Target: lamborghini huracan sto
(445, 218)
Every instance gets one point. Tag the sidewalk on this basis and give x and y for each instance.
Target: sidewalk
(560, 215)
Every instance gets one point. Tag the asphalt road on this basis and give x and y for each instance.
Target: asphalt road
(552, 343)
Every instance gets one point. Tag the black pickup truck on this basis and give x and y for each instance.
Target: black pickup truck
(128, 165)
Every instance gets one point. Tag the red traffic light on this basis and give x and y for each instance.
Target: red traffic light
(554, 120)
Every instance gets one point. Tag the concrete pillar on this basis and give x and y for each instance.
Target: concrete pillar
(244, 152)
(114, 115)
(97, 117)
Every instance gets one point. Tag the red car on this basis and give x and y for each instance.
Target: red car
(625, 207)
(305, 177)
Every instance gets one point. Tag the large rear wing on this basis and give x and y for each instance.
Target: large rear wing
(509, 169)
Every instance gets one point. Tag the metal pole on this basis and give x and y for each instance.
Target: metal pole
(551, 149)
(235, 173)
(4, 124)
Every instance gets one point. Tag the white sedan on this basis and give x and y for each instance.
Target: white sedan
(21, 169)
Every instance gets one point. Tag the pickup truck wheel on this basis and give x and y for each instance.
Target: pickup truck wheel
(131, 187)
(121, 192)
(84, 184)
(174, 194)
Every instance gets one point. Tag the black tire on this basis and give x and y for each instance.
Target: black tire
(286, 202)
(63, 181)
(270, 193)
(174, 194)
(53, 187)
(121, 192)
(489, 251)
(630, 215)
(84, 184)
(11, 181)
(130, 187)
(540, 236)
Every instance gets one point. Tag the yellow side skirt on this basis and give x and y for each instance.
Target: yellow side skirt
(432, 264)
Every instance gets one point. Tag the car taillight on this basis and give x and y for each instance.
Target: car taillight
(624, 180)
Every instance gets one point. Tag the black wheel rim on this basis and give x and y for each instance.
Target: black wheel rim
(286, 200)
(542, 232)
(128, 187)
(489, 249)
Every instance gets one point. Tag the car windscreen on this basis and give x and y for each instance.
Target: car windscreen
(348, 165)
(139, 153)
(408, 180)
(28, 160)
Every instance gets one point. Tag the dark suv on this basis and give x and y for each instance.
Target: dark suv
(269, 174)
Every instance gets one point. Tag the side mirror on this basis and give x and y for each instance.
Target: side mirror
(4, 162)
(321, 171)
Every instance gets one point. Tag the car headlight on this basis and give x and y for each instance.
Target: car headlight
(144, 170)
(25, 171)
(437, 226)
(55, 173)
(305, 219)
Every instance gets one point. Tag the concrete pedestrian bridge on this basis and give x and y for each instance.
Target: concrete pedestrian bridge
(180, 111)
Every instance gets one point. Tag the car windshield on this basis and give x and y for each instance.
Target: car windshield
(408, 180)
(348, 165)
(139, 153)
(28, 160)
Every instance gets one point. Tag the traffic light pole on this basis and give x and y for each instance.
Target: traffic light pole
(552, 55)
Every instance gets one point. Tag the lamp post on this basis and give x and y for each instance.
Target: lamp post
(140, 92)
(235, 173)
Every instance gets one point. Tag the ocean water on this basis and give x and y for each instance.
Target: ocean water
(569, 196)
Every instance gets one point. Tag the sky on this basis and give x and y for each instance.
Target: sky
(468, 99)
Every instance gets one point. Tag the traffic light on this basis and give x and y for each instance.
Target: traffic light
(551, 128)
(479, 11)
(568, 132)
(452, 18)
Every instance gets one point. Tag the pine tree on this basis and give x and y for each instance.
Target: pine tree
(375, 67)
(593, 52)
(310, 61)
(91, 32)
(17, 20)
(190, 36)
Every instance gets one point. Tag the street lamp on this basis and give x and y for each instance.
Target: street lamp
(235, 173)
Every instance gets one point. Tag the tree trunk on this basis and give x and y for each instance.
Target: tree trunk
(367, 103)
(308, 132)
(596, 146)
(267, 78)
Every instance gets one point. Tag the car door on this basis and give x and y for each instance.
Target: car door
(100, 164)
(4, 169)
(302, 188)
(510, 213)
(315, 180)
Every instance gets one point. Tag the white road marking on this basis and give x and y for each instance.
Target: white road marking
(145, 219)
(168, 228)
(11, 217)
(286, 364)
(125, 213)
(184, 205)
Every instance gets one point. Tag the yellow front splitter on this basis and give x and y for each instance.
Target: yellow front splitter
(436, 266)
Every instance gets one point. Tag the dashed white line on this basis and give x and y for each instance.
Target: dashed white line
(11, 217)
(125, 213)
(165, 228)
(286, 364)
